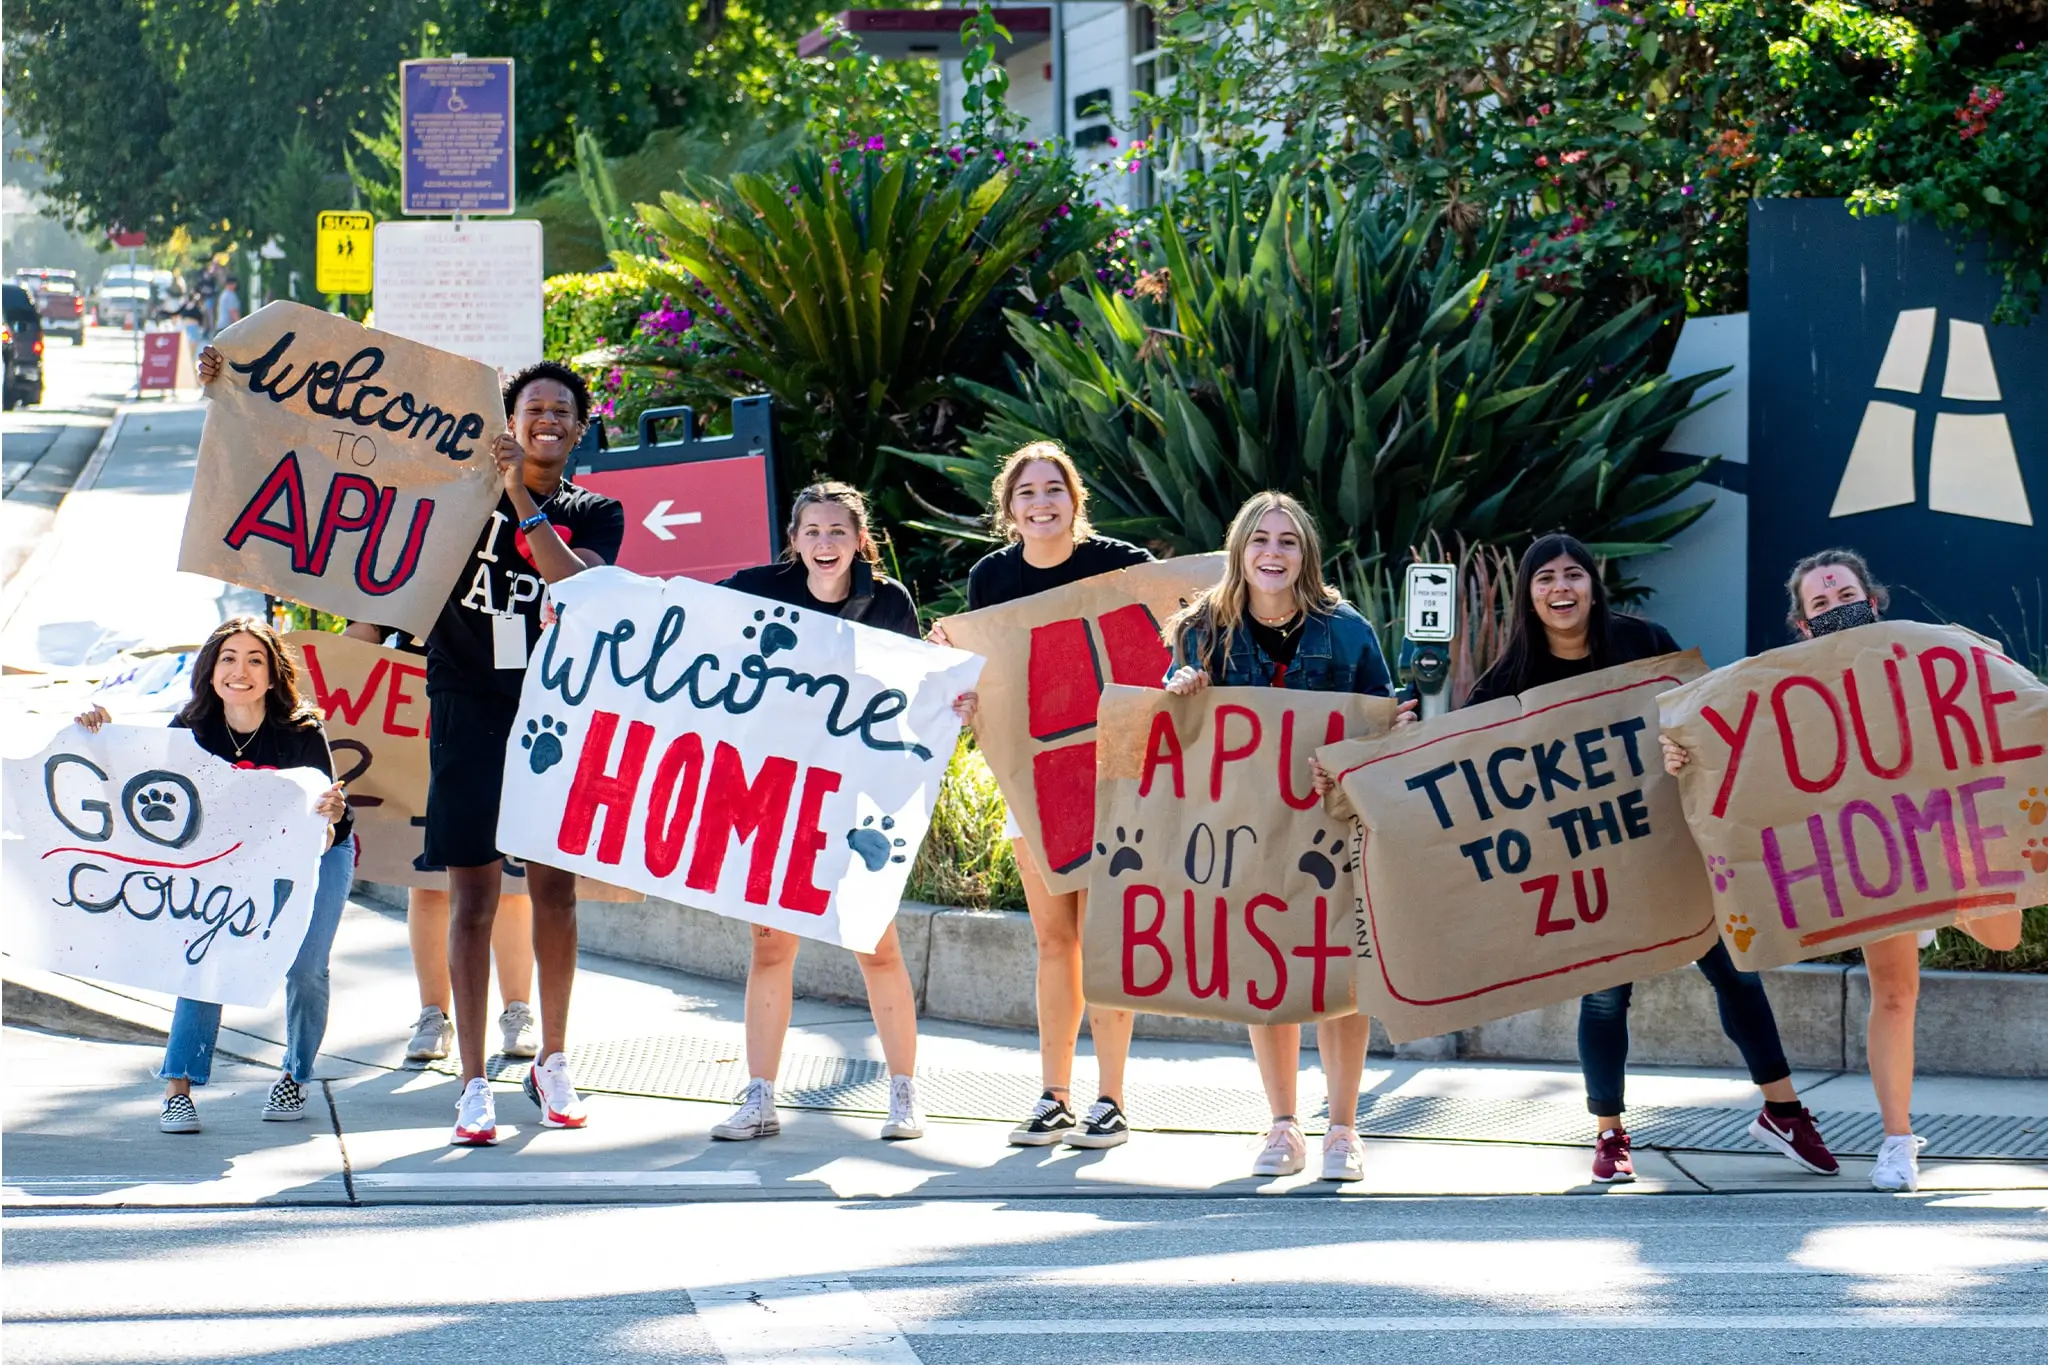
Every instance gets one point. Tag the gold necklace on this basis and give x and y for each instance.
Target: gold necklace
(238, 748)
(1284, 625)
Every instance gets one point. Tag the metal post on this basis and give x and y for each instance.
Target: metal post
(1059, 70)
(138, 321)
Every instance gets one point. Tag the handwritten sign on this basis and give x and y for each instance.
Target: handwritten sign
(1050, 656)
(763, 762)
(1221, 886)
(342, 467)
(1881, 780)
(134, 856)
(1522, 852)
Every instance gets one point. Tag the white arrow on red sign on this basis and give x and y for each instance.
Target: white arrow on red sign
(659, 519)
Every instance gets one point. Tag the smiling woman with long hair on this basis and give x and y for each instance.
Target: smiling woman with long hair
(246, 708)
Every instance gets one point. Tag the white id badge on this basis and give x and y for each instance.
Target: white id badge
(508, 641)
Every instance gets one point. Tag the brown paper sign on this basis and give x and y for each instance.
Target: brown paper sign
(1522, 852)
(1049, 657)
(1221, 885)
(1881, 780)
(375, 700)
(342, 467)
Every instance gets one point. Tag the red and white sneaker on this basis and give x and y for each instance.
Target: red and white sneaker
(1612, 1164)
(476, 1116)
(548, 1086)
(1797, 1138)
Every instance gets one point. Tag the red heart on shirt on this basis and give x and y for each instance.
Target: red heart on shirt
(526, 551)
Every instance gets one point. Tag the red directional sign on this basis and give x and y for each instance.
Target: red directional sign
(165, 361)
(704, 511)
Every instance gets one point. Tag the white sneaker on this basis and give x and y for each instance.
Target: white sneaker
(476, 1116)
(432, 1036)
(1343, 1156)
(1285, 1152)
(548, 1085)
(520, 1034)
(906, 1119)
(755, 1117)
(1898, 1163)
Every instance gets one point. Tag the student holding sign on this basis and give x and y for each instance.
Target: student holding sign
(1039, 505)
(1273, 622)
(1829, 592)
(246, 709)
(1562, 628)
(829, 567)
(545, 529)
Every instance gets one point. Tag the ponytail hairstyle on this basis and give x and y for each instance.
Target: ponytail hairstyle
(1221, 609)
(1880, 596)
(837, 494)
(282, 702)
(1012, 473)
(1525, 629)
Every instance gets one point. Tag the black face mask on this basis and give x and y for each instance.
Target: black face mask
(1842, 618)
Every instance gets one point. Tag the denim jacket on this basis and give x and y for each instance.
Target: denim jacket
(1338, 652)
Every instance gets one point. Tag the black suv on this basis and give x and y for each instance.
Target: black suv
(23, 347)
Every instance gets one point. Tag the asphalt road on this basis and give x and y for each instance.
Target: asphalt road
(1954, 1278)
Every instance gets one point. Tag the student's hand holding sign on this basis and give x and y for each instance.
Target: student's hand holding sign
(208, 364)
(1185, 681)
(1676, 755)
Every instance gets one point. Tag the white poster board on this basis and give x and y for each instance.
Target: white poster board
(757, 760)
(473, 288)
(133, 856)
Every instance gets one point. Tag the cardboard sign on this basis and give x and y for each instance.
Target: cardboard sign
(1221, 885)
(757, 760)
(1869, 783)
(1522, 852)
(1049, 657)
(342, 467)
(136, 857)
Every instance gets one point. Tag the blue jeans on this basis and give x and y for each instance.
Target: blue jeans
(195, 1024)
(1745, 1017)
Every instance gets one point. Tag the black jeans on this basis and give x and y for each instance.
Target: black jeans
(1745, 1017)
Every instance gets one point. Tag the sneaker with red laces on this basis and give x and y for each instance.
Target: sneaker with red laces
(548, 1085)
(1611, 1162)
(1798, 1139)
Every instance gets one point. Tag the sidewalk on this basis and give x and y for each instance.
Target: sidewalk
(81, 1121)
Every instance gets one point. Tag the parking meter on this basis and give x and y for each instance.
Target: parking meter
(1431, 618)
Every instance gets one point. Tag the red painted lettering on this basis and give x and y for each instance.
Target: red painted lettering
(286, 483)
(1320, 954)
(669, 811)
(1149, 937)
(1991, 701)
(1598, 911)
(752, 810)
(1737, 740)
(1223, 752)
(1251, 926)
(396, 696)
(1332, 733)
(1218, 983)
(336, 700)
(1162, 750)
(805, 843)
(1904, 726)
(1790, 742)
(594, 788)
(1942, 701)
(1546, 886)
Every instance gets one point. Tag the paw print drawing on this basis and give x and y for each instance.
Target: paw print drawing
(775, 633)
(159, 805)
(1723, 874)
(2036, 852)
(2034, 805)
(1741, 930)
(543, 743)
(1126, 858)
(876, 847)
(1320, 859)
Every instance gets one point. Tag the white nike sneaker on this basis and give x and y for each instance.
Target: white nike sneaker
(548, 1085)
(476, 1116)
(906, 1119)
(755, 1117)
(1898, 1163)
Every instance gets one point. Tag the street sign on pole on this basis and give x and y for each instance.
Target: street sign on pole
(345, 246)
(470, 288)
(1432, 595)
(457, 121)
(695, 508)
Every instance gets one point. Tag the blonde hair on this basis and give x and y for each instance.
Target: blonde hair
(836, 494)
(1012, 472)
(1222, 609)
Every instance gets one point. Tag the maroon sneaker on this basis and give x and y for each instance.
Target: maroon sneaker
(1797, 1138)
(1611, 1162)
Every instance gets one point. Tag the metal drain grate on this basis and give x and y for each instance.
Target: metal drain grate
(696, 1067)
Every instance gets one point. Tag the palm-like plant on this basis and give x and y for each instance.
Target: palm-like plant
(1336, 346)
(843, 285)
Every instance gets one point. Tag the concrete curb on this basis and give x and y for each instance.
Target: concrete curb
(979, 967)
(32, 568)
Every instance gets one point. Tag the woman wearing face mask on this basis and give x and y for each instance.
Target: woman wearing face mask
(246, 709)
(1829, 592)
(1040, 507)
(828, 567)
(1562, 628)
(1273, 622)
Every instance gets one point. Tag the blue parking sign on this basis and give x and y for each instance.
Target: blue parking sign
(457, 117)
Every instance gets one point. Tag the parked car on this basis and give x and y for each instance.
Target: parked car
(56, 298)
(131, 295)
(21, 348)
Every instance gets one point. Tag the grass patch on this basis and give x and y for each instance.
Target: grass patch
(1955, 951)
(965, 860)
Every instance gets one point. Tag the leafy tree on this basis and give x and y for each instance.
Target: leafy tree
(289, 206)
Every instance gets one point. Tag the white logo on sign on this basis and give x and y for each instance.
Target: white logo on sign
(1973, 470)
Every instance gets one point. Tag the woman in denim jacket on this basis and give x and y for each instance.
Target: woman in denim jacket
(1273, 622)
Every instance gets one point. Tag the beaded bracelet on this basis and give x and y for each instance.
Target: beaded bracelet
(536, 519)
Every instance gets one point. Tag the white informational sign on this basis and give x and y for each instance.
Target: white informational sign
(135, 857)
(1432, 594)
(472, 288)
(757, 760)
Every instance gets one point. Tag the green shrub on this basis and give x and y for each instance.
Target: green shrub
(1953, 950)
(583, 313)
(965, 860)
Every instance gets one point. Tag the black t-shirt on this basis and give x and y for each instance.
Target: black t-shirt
(1277, 642)
(875, 600)
(272, 747)
(1004, 576)
(501, 582)
(1629, 638)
